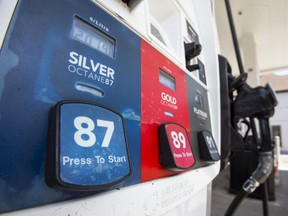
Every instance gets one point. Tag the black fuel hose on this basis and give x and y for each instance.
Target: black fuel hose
(259, 176)
(234, 37)
(236, 202)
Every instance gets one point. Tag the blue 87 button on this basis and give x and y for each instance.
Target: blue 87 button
(92, 146)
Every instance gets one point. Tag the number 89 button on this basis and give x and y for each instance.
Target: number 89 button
(174, 146)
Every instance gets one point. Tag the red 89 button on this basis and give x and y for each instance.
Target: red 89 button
(174, 147)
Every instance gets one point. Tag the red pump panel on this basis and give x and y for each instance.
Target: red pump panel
(163, 99)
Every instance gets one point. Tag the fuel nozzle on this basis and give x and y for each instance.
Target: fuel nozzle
(236, 82)
(256, 102)
(192, 50)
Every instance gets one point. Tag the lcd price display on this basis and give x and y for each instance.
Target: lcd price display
(167, 80)
(93, 37)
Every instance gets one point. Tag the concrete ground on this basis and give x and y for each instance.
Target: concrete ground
(221, 198)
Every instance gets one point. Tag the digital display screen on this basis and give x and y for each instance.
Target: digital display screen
(93, 37)
(167, 80)
(199, 99)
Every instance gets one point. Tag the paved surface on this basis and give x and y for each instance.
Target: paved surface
(221, 198)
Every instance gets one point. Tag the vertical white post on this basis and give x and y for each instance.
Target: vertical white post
(250, 59)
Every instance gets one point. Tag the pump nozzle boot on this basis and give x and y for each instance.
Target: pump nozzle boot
(254, 102)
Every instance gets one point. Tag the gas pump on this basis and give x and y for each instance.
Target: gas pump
(252, 107)
(108, 107)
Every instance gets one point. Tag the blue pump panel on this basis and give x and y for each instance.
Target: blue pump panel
(66, 50)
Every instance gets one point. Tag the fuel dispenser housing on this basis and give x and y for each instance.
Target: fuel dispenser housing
(87, 91)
